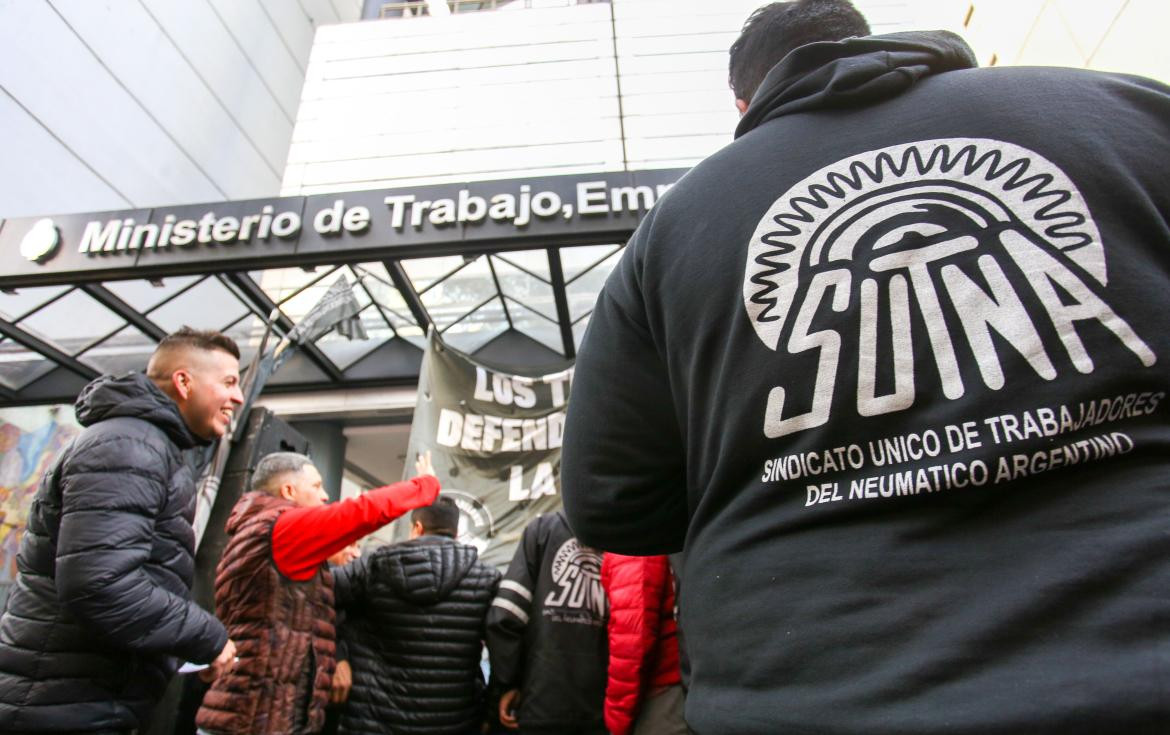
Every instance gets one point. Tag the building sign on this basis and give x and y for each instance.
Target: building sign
(40, 242)
(363, 225)
(495, 441)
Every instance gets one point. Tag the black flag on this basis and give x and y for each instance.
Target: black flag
(338, 308)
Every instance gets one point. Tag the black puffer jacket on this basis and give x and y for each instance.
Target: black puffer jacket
(414, 628)
(101, 615)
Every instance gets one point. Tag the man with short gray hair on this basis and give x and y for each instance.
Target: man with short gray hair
(274, 592)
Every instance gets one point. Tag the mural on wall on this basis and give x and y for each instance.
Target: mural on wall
(30, 439)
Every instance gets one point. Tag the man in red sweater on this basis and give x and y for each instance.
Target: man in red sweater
(644, 694)
(274, 592)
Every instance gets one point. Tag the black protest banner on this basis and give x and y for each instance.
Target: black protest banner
(495, 441)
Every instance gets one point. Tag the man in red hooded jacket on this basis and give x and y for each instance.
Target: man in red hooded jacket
(274, 593)
(644, 694)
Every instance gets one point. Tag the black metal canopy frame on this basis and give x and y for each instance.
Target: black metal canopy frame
(509, 294)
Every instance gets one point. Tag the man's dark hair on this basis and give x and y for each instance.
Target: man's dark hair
(200, 340)
(440, 518)
(771, 32)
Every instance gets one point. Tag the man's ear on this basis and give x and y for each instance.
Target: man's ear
(181, 382)
(741, 106)
(287, 491)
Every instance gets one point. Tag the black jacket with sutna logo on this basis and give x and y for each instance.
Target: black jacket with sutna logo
(914, 434)
(546, 630)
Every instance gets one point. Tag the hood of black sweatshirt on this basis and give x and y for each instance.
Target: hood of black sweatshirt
(134, 395)
(853, 73)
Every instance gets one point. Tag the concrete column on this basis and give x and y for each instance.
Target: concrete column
(328, 442)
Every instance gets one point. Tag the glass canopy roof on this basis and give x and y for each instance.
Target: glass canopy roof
(524, 308)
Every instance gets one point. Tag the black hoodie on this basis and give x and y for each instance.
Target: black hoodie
(101, 614)
(891, 367)
(414, 629)
(546, 630)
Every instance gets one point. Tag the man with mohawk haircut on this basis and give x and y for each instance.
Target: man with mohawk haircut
(912, 439)
(101, 615)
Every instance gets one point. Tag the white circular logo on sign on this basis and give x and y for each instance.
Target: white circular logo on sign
(40, 243)
(476, 525)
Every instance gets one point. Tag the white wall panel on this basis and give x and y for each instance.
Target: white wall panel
(78, 99)
(455, 60)
(321, 12)
(682, 103)
(39, 174)
(479, 163)
(431, 35)
(503, 94)
(454, 117)
(717, 122)
(889, 16)
(676, 101)
(347, 10)
(1135, 43)
(458, 177)
(442, 141)
(671, 148)
(292, 24)
(677, 104)
(477, 95)
(248, 23)
(125, 103)
(455, 81)
(703, 80)
(206, 43)
(173, 94)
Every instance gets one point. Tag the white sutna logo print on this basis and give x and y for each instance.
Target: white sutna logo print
(576, 573)
(970, 226)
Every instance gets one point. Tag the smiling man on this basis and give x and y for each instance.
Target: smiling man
(101, 614)
(274, 591)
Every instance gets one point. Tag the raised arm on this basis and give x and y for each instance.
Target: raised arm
(304, 538)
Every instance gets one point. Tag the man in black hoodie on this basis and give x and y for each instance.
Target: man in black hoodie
(414, 631)
(546, 634)
(913, 437)
(101, 614)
